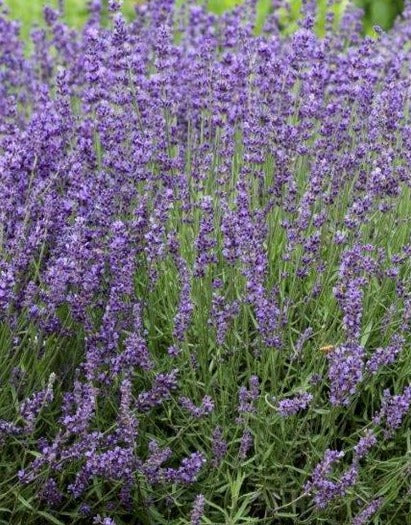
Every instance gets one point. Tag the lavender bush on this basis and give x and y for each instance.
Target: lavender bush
(205, 287)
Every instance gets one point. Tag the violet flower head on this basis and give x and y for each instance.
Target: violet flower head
(114, 5)
(173, 351)
(323, 489)
(100, 520)
(30, 408)
(152, 467)
(291, 406)
(205, 242)
(50, 493)
(219, 447)
(393, 410)
(163, 386)
(364, 445)
(247, 398)
(222, 314)
(197, 510)
(79, 407)
(385, 355)
(345, 371)
(190, 468)
(246, 443)
(206, 407)
(135, 354)
(127, 422)
(363, 517)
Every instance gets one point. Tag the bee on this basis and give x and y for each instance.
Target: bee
(327, 348)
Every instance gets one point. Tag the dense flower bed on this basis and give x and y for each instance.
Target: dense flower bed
(205, 290)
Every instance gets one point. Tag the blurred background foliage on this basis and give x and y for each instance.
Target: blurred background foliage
(376, 12)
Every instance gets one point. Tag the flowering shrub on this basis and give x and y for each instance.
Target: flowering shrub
(205, 287)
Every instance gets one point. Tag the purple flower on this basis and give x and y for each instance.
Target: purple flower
(190, 468)
(393, 410)
(151, 468)
(246, 443)
(248, 397)
(385, 355)
(31, 407)
(222, 314)
(114, 5)
(364, 444)
(198, 510)
(173, 351)
(79, 407)
(186, 473)
(205, 242)
(291, 406)
(367, 512)
(345, 371)
(219, 447)
(206, 407)
(324, 489)
(135, 354)
(163, 386)
(50, 493)
(100, 520)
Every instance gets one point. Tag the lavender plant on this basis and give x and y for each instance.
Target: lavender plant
(205, 279)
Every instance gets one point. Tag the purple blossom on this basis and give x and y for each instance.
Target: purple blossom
(50, 493)
(151, 468)
(248, 397)
(246, 443)
(79, 407)
(324, 489)
(135, 354)
(364, 445)
(190, 468)
(222, 314)
(198, 510)
(367, 512)
(205, 242)
(127, 422)
(393, 410)
(385, 355)
(206, 407)
(219, 447)
(100, 520)
(31, 407)
(345, 371)
(351, 303)
(173, 351)
(8, 429)
(114, 5)
(291, 406)
(163, 386)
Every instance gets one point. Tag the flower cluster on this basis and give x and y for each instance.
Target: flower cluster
(194, 204)
(367, 512)
(291, 406)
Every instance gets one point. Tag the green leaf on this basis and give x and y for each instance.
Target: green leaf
(50, 518)
(367, 333)
(25, 502)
